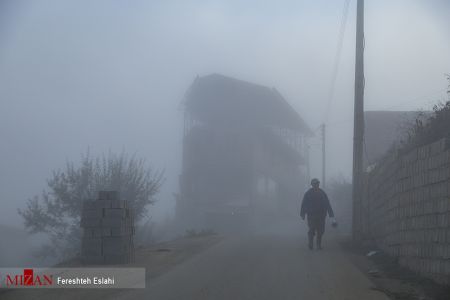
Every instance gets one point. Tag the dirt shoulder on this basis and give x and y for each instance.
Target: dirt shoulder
(156, 259)
(397, 282)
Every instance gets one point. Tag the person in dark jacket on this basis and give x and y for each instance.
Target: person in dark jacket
(316, 206)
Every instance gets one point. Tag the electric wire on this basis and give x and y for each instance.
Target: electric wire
(414, 100)
(337, 58)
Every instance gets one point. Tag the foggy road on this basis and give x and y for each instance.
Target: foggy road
(275, 264)
(262, 266)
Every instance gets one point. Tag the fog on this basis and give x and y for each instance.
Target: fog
(111, 76)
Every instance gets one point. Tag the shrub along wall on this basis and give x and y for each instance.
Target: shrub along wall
(407, 209)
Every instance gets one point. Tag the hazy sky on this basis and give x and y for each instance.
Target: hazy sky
(110, 75)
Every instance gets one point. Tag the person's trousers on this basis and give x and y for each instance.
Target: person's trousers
(316, 224)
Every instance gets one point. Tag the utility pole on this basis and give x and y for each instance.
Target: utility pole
(358, 130)
(323, 157)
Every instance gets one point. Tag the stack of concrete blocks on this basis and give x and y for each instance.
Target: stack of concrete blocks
(409, 209)
(108, 230)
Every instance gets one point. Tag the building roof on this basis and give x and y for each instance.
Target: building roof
(220, 99)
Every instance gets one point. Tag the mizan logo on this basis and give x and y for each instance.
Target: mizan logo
(28, 279)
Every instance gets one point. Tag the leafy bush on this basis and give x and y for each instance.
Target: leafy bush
(434, 127)
(57, 212)
(426, 130)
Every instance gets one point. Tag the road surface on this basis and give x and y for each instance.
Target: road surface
(271, 265)
(275, 265)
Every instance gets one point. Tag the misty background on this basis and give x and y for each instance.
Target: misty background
(111, 76)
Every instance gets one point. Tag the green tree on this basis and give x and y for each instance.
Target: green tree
(57, 211)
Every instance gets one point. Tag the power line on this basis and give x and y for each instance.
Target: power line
(414, 100)
(337, 57)
(448, 89)
(334, 73)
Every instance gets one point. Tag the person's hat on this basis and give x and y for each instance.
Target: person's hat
(315, 181)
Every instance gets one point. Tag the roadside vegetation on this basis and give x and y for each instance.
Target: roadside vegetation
(430, 128)
(56, 213)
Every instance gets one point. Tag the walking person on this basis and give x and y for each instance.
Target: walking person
(316, 206)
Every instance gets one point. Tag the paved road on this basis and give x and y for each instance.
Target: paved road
(272, 265)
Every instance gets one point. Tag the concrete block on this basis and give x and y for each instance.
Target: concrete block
(88, 232)
(130, 215)
(101, 231)
(92, 213)
(447, 268)
(108, 230)
(100, 204)
(90, 222)
(446, 251)
(114, 222)
(116, 203)
(93, 260)
(117, 258)
(118, 213)
(116, 245)
(444, 173)
(91, 247)
(443, 189)
(122, 231)
(108, 195)
(446, 219)
(89, 204)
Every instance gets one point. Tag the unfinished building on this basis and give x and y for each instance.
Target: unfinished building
(244, 154)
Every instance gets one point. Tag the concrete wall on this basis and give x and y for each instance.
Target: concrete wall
(108, 230)
(407, 209)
